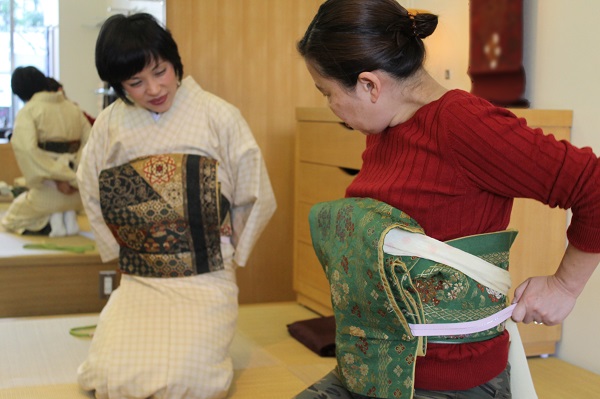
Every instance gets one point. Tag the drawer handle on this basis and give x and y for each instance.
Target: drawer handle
(345, 125)
(350, 171)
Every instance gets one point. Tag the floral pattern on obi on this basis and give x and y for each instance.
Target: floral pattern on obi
(375, 349)
(166, 213)
(376, 295)
(449, 296)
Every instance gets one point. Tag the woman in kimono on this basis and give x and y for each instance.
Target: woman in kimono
(175, 187)
(48, 137)
(454, 163)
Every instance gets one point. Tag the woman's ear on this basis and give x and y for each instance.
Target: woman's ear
(369, 83)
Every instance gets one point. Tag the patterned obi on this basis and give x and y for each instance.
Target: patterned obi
(167, 215)
(376, 295)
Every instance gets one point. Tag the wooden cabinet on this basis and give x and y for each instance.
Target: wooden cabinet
(45, 282)
(9, 170)
(328, 155)
(48, 282)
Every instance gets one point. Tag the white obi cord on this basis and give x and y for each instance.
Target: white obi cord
(403, 243)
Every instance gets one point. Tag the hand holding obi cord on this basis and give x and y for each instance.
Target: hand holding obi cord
(447, 164)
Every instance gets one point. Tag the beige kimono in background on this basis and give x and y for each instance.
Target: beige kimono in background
(47, 117)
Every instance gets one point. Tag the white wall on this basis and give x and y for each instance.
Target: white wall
(561, 61)
(448, 47)
(79, 25)
(77, 38)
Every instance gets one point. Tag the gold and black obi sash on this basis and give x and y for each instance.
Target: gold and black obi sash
(376, 296)
(166, 213)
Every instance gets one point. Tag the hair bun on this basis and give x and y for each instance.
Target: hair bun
(423, 24)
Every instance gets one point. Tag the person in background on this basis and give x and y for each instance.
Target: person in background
(55, 85)
(175, 187)
(48, 136)
(454, 163)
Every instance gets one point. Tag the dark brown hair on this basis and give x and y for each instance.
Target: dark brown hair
(347, 37)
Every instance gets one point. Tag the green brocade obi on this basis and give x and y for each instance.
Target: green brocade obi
(166, 213)
(375, 296)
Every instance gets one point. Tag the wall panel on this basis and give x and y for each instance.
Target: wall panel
(244, 51)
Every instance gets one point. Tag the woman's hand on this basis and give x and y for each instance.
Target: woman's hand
(64, 187)
(542, 300)
(550, 299)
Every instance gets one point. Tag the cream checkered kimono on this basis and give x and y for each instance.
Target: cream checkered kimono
(169, 337)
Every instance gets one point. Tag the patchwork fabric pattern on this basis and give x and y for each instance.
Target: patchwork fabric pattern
(166, 213)
(375, 295)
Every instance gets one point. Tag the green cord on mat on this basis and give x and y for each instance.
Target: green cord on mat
(84, 332)
(71, 248)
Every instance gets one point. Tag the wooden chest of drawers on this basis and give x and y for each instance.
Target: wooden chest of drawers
(9, 169)
(328, 155)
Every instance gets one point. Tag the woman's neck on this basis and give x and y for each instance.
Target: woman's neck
(413, 93)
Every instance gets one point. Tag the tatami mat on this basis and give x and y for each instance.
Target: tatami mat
(39, 358)
(12, 244)
(40, 351)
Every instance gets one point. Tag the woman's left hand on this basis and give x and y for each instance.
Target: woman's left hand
(550, 299)
(542, 300)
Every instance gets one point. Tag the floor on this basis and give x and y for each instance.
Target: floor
(39, 359)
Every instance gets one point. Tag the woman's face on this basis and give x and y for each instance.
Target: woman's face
(154, 87)
(353, 107)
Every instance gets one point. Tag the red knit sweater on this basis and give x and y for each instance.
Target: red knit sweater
(455, 167)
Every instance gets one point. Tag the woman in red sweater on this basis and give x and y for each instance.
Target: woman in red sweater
(453, 162)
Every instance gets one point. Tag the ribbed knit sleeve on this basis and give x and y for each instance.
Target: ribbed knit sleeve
(499, 153)
(457, 164)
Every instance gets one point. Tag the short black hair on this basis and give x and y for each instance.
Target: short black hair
(26, 81)
(127, 44)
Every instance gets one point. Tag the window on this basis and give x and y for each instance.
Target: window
(28, 36)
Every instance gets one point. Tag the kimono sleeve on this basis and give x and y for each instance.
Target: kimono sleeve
(253, 202)
(87, 177)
